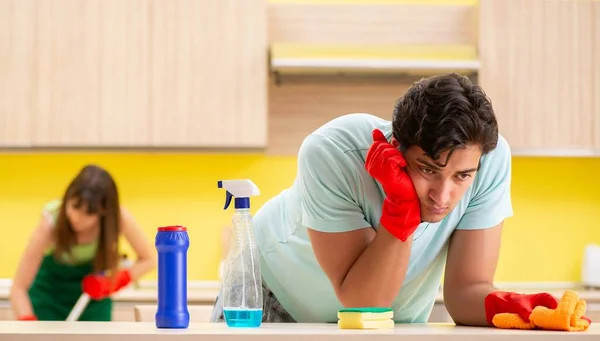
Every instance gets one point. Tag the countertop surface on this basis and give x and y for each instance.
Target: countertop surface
(590, 296)
(205, 292)
(133, 331)
(195, 296)
(148, 295)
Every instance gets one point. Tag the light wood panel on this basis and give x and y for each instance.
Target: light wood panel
(208, 73)
(16, 31)
(377, 24)
(123, 42)
(536, 65)
(304, 103)
(180, 73)
(596, 59)
(65, 106)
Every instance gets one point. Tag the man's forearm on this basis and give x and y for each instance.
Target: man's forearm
(466, 305)
(376, 277)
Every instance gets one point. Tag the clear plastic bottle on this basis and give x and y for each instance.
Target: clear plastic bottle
(242, 281)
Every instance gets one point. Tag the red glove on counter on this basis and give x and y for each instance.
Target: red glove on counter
(401, 212)
(99, 286)
(27, 318)
(510, 302)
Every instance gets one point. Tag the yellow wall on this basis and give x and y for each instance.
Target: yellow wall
(161, 189)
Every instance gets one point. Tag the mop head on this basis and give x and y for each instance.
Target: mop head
(366, 318)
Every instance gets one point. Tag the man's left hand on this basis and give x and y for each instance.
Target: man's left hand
(499, 302)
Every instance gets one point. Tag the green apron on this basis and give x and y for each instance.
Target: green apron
(57, 286)
(56, 289)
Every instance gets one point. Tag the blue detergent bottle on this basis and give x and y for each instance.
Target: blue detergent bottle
(172, 244)
(242, 281)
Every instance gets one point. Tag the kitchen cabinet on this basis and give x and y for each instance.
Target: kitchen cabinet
(122, 311)
(117, 73)
(15, 94)
(89, 69)
(5, 311)
(208, 73)
(596, 70)
(303, 103)
(540, 66)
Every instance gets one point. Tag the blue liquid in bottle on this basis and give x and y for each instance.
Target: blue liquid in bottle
(249, 318)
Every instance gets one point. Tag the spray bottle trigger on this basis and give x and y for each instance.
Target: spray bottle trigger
(228, 199)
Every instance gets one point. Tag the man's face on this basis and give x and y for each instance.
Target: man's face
(440, 184)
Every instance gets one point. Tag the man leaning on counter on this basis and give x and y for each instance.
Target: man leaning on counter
(379, 210)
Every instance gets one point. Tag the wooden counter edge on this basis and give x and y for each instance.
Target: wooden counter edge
(133, 331)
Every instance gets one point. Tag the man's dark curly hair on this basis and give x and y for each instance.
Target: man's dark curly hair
(442, 113)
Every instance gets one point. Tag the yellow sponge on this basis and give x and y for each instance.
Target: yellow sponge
(366, 318)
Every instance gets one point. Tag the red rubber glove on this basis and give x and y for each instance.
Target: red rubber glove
(99, 286)
(27, 318)
(510, 302)
(401, 212)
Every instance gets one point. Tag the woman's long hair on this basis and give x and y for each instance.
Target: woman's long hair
(94, 188)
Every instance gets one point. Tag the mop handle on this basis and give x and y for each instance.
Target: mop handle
(79, 307)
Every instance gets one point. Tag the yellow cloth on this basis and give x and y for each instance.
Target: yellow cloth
(568, 316)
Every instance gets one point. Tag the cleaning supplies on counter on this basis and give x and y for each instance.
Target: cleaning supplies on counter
(569, 315)
(366, 318)
(590, 269)
(242, 281)
(172, 244)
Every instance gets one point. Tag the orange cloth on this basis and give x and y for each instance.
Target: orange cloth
(568, 316)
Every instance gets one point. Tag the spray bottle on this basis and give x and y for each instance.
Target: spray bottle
(242, 281)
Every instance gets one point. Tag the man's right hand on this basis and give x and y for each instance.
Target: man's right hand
(401, 214)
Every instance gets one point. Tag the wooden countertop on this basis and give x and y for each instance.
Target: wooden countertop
(590, 296)
(134, 331)
(205, 292)
(195, 296)
(208, 295)
(148, 295)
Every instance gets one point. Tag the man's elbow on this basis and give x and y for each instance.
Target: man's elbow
(465, 303)
(456, 317)
(456, 311)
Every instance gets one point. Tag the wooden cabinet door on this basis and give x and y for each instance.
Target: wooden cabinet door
(65, 104)
(208, 73)
(123, 73)
(16, 34)
(133, 73)
(596, 71)
(75, 73)
(537, 60)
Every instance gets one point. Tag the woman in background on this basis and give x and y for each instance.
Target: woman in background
(74, 249)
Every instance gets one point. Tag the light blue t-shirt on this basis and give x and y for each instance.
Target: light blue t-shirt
(334, 193)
